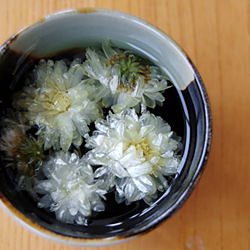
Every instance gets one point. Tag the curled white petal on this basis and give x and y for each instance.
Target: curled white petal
(135, 153)
(70, 189)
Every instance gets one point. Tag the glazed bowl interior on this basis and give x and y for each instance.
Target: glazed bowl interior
(186, 108)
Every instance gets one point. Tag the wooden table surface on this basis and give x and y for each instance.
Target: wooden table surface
(216, 35)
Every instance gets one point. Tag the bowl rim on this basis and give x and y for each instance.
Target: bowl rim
(71, 241)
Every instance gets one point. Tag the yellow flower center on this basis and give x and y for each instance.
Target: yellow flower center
(55, 101)
(145, 147)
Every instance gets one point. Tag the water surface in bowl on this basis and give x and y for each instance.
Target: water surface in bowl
(116, 218)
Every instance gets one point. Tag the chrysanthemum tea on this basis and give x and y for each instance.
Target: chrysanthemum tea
(94, 137)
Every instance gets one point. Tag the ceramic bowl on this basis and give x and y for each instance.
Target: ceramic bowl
(187, 108)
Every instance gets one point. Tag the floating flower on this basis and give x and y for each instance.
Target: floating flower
(128, 79)
(135, 153)
(70, 189)
(60, 103)
(22, 151)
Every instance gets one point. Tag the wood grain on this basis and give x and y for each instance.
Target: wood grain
(216, 35)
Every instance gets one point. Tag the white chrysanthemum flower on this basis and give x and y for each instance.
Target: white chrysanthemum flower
(22, 151)
(70, 189)
(60, 103)
(128, 79)
(135, 153)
